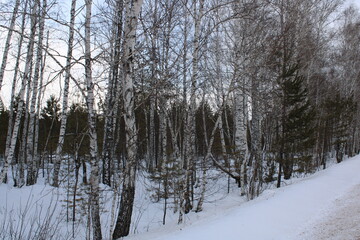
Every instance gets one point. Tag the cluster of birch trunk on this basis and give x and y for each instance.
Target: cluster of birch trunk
(259, 90)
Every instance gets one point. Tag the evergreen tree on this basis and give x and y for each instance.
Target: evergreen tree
(339, 117)
(297, 122)
(76, 139)
(49, 126)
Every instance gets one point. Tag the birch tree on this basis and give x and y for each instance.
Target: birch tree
(112, 94)
(154, 80)
(241, 94)
(25, 79)
(64, 112)
(257, 34)
(189, 138)
(30, 151)
(122, 227)
(7, 43)
(94, 174)
(13, 89)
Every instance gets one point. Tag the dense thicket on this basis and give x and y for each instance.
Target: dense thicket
(258, 90)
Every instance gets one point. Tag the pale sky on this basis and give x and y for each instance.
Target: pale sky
(5, 93)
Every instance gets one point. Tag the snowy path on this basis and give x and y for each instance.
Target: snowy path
(299, 211)
(342, 222)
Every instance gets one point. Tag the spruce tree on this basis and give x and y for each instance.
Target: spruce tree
(296, 123)
(339, 117)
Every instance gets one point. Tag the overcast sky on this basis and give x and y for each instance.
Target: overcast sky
(5, 95)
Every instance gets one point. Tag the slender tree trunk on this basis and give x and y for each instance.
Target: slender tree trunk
(38, 156)
(151, 130)
(30, 151)
(182, 182)
(164, 157)
(64, 112)
(153, 96)
(190, 124)
(110, 119)
(184, 78)
(7, 43)
(20, 107)
(207, 156)
(13, 88)
(94, 174)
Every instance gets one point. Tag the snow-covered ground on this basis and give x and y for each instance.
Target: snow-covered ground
(342, 222)
(291, 212)
(322, 206)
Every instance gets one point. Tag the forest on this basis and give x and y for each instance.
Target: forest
(96, 94)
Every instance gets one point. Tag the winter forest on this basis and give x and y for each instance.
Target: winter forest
(105, 99)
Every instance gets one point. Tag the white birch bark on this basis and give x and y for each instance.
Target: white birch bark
(64, 112)
(241, 148)
(174, 138)
(256, 173)
(122, 228)
(164, 158)
(94, 174)
(112, 96)
(38, 159)
(182, 182)
(13, 88)
(221, 98)
(190, 125)
(207, 156)
(7, 43)
(184, 76)
(30, 151)
(20, 109)
(240, 101)
(151, 145)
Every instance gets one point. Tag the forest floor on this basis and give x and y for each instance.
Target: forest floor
(325, 205)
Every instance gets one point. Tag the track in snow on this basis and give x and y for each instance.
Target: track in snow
(341, 223)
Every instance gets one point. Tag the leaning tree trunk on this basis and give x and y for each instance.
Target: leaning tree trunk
(123, 222)
(94, 175)
(25, 80)
(205, 159)
(64, 112)
(13, 88)
(7, 43)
